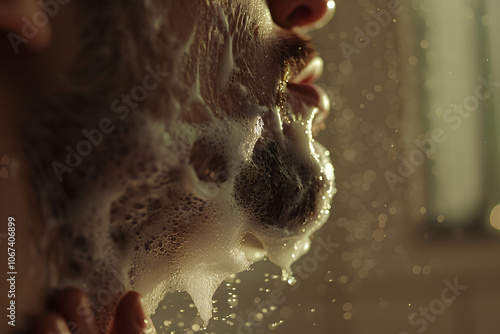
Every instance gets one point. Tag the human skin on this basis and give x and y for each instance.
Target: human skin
(64, 79)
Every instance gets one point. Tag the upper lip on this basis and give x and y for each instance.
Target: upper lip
(310, 73)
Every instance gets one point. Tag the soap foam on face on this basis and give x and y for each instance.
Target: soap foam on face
(211, 226)
(194, 199)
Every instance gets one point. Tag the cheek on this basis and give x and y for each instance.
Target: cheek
(225, 60)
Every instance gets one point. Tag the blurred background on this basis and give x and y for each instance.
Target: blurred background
(412, 244)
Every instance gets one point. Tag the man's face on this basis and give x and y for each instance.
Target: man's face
(208, 160)
(253, 179)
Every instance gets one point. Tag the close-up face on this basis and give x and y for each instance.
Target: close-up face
(232, 172)
(249, 166)
(174, 147)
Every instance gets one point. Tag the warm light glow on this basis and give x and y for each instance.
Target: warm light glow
(495, 217)
(331, 4)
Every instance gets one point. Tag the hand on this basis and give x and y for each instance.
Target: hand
(73, 315)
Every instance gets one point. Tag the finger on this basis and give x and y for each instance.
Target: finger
(49, 324)
(130, 316)
(74, 305)
(17, 17)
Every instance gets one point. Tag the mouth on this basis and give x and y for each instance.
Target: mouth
(313, 98)
(304, 83)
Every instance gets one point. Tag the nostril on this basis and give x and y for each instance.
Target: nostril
(299, 15)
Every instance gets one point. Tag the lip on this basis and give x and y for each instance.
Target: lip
(302, 85)
(313, 95)
(310, 73)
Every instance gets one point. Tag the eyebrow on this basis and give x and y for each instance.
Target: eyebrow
(294, 52)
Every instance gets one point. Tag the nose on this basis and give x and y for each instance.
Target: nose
(298, 13)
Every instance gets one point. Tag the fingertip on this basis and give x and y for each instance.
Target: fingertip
(49, 324)
(131, 316)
